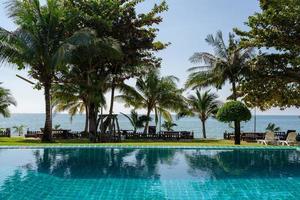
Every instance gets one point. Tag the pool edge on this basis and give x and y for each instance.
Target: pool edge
(152, 147)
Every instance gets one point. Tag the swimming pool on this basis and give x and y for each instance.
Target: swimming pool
(149, 173)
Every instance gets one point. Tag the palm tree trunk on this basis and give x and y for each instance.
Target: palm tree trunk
(203, 129)
(47, 136)
(111, 109)
(86, 127)
(234, 93)
(237, 133)
(237, 124)
(146, 130)
(159, 122)
(92, 123)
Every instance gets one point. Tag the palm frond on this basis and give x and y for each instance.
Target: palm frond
(219, 45)
(204, 57)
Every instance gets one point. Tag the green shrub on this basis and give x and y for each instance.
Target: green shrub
(233, 111)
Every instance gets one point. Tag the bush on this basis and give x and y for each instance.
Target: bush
(233, 111)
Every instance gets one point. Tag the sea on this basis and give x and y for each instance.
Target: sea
(214, 128)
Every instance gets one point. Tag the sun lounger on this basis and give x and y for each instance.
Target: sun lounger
(269, 139)
(290, 140)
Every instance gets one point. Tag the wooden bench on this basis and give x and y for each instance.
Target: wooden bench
(60, 134)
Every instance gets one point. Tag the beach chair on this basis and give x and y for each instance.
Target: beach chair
(269, 139)
(290, 140)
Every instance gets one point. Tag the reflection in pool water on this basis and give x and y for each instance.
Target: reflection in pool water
(149, 174)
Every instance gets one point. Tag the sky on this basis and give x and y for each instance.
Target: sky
(185, 25)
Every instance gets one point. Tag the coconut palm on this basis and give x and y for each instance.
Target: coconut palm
(154, 93)
(6, 99)
(168, 125)
(272, 127)
(19, 129)
(228, 63)
(136, 120)
(34, 44)
(203, 105)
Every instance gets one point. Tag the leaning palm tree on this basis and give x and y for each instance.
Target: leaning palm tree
(136, 120)
(203, 105)
(34, 45)
(6, 99)
(228, 63)
(154, 93)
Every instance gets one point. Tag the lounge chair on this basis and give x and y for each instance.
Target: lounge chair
(290, 140)
(269, 139)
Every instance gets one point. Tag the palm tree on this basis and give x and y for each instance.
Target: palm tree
(154, 93)
(168, 125)
(203, 105)
(6, 99)
(35, 44)
(228, 63)
(19, 129)
(272, 127)
(136, 120)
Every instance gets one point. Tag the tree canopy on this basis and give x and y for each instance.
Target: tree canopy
(275, 77)
(233, 111)
(81, 48)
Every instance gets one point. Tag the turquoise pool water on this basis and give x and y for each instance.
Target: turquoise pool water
(108, 173)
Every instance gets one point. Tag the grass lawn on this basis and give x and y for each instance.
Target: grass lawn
(20, 141)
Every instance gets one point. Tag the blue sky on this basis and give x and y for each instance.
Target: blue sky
(185, 26)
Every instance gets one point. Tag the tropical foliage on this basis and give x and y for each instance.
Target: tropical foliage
(154, 93)
(168, 125)
(57, 126)
(35, 44)
(228, 63)
(274, 80)
(6, 100)
(202, 105)
(81, 49)
(136, 121)
(272, 127)
(19, 129)
(135, 34)
(85, 81)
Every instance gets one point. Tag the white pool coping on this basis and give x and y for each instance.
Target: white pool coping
(153, 147)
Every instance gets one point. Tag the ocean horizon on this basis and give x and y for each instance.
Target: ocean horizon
(214, 128)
